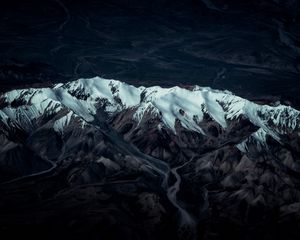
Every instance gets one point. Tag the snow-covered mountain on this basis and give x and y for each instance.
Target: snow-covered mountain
(82, 98)
(186, 152)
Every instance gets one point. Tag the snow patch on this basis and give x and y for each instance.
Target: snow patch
(259, 138)
(61, 123)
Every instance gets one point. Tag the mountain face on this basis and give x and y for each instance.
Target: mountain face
(129, 162)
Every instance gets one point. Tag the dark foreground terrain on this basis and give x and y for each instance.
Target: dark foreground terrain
(249, 47)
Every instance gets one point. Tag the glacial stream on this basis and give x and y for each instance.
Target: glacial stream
(186, 223)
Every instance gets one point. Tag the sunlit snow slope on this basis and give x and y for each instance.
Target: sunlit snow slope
(81, 99)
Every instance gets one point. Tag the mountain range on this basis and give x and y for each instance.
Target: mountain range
(118, 161)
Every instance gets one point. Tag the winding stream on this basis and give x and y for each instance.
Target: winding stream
(187, 225)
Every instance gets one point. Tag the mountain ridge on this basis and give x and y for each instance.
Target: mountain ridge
(85, 95)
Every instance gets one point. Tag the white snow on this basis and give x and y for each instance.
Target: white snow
(60, 124)
(84, 96)
(259, 138)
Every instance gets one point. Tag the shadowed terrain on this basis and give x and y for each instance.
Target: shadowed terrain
(251, 48)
